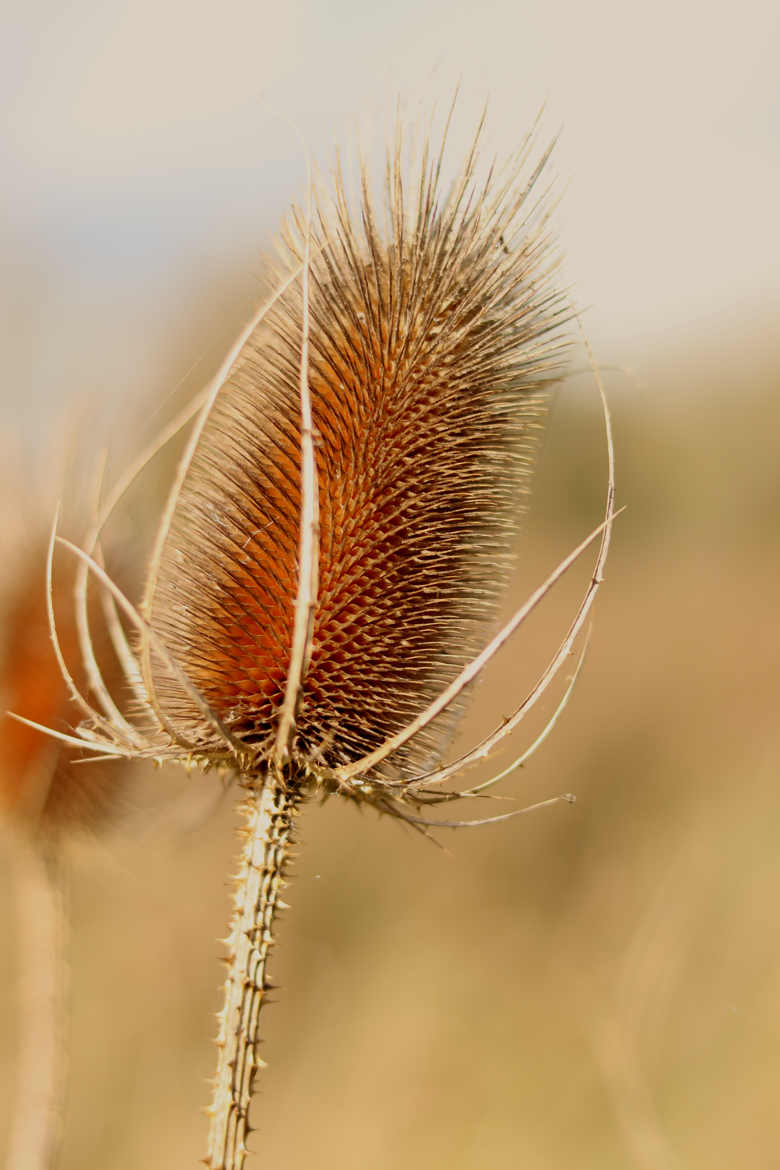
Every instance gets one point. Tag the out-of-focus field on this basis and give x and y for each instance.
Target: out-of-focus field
(595, 986)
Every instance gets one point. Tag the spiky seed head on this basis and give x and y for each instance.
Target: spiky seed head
(42, 788)
(433, 342)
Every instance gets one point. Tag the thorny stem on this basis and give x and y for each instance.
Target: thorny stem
(268, 831)
(37, 1117)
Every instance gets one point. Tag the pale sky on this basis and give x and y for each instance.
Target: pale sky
(146, 146)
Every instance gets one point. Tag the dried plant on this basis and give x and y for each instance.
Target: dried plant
(45, 796)
(338, 536)
(42, 788)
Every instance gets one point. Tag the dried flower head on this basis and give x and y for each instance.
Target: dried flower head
(43, 788)
(430, 352)
(48, 794)
(338, 536)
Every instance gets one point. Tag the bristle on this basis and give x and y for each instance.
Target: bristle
(431, 352)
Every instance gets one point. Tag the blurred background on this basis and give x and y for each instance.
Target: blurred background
(594, 986)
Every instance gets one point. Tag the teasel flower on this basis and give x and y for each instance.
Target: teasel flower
(43, 790)
(47, 797)
(338, 537)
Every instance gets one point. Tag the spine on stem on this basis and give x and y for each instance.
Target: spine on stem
(268, 831)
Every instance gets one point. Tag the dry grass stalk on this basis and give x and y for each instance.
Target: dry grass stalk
(337, 539)
(41, 1070)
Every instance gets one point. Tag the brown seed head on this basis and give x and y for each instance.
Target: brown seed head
(432, 344)
(41, 785)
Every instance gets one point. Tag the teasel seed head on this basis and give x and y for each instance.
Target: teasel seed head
(340, 531)
(432, 346)
(43, 787)
(339, 535)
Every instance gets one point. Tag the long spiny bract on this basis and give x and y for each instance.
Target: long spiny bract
(212, 391)
(308, 537)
